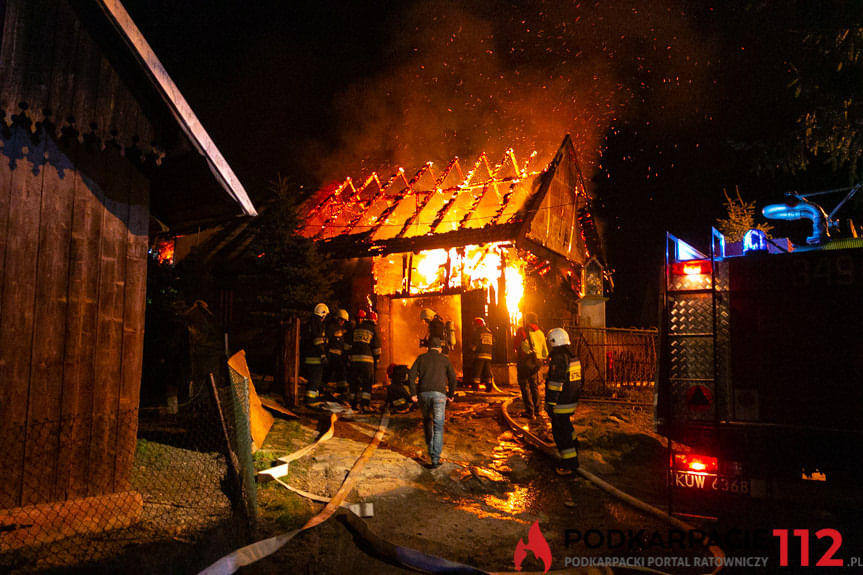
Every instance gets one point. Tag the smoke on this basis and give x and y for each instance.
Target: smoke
(484, 76)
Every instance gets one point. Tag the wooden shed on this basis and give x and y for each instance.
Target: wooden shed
(490, 239)
(96, 140)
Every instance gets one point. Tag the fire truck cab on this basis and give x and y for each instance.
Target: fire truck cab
(760, 376)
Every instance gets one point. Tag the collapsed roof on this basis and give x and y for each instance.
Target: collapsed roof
(545, 212)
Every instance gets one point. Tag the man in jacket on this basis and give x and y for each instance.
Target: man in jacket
(562, 389)
(432, 382)
(531, 352)
(481, 348)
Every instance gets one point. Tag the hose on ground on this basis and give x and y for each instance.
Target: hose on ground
(549, 449)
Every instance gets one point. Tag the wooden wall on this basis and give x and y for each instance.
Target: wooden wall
(73, 249)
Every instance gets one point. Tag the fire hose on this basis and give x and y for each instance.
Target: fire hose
(256, 551)
(549, 449)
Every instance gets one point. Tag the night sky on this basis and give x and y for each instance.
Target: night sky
(663, 100)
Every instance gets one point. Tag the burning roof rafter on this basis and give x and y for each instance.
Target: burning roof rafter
(427, 203)
(545, 211)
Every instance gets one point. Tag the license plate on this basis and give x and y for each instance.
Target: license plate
(710, 482)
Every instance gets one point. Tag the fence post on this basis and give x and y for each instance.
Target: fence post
(289, 355)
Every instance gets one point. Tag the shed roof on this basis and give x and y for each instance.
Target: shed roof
(83, 67)
(451, 208)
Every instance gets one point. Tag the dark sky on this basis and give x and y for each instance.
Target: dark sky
(659, 97)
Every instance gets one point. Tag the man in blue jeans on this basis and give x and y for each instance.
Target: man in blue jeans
(432, 382)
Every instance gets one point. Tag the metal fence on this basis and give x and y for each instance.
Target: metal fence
(616, 363)
(183, 502)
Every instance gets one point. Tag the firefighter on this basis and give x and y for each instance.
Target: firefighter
(531, 353)
(438, 328)
(562, 388)
(481, 348)
(313, 345)
(365, 351)
(337, 330)
(398, 391)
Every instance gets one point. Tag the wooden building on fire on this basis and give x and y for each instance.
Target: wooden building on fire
(96, 140)
(496, 241)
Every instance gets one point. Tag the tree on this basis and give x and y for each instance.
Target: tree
(741, 218)
(825, 74)
(290, 272)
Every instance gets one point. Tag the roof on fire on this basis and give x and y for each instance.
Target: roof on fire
(544, 211)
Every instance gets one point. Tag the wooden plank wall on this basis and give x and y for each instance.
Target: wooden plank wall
(73, 244)
(49, 61)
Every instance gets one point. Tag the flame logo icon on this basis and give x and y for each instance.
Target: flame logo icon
(537, 544)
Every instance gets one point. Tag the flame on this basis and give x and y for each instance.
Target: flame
(470, 267)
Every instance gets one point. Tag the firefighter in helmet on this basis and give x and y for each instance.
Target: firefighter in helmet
(481, 348)
(365, 351)
(337, 330)
(398, 391)
(562, 389)
(439, 329)
(313, 346)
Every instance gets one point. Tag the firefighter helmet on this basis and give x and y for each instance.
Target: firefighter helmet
(373, 316)
(478, 321)
(427, 314)
(361, 314)
(321, 310)
(557, 337)
(343, 314)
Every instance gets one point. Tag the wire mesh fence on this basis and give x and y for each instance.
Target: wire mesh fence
(152, 490)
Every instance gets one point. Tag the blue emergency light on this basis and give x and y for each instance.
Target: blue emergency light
(754, 241)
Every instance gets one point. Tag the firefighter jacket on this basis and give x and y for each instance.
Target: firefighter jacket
(563, 382)
(432, 371)
(365, 343)
(313, 342)
(523, 346)
(482, 342)
(336, 332)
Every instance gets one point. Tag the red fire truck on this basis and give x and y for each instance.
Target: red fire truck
(760, 379)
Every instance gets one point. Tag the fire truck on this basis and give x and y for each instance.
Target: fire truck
(760, 377)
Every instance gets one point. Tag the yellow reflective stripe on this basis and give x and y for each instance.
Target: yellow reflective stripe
(400, 401)
(551, 403)
(569, 453)
(565, 408)
(318, 341)
(574, 370)
(554, 385)
(336, 351)
(311, 393)
(362, 359)
(365, 395)
(483, 355)
(312, 361)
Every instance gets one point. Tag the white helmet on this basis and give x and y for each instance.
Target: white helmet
(321, 309)
(557, 337)
(427, 314)
(343, 314)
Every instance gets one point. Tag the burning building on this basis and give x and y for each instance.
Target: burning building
(495, 241)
